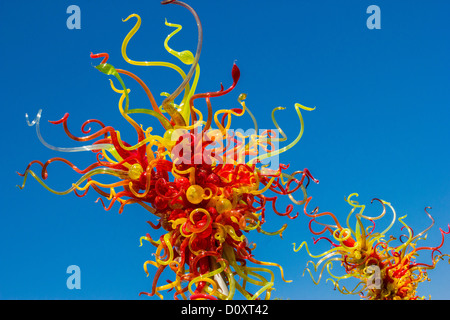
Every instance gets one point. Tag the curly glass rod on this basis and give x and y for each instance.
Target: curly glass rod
(197, 54)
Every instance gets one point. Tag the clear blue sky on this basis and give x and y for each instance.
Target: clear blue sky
(381, 126)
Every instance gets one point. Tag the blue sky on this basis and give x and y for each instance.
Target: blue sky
(381, 126)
